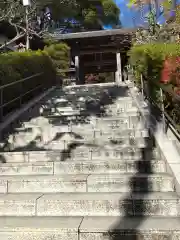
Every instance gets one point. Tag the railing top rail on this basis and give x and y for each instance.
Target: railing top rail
(22, 80)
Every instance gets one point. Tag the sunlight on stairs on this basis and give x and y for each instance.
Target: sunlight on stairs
(84, 167)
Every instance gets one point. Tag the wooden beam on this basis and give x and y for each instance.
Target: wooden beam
(95, 50)
(92, 51)
(97, 70)
(100, 63)
(90, 46)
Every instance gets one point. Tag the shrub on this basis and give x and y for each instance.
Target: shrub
(148, 59)
(99, 78)
(15, 66)
(159, 63)
(60, 55)
(91, 78)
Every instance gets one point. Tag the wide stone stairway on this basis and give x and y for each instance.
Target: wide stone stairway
(81, 165)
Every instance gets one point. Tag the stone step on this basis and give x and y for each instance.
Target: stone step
(111, 166)
(119, 126)
(123, 115)
(47, 135)
(128, 103)
(75, 114)
(139, 142)
(90, 204)
(87, 183)
(127, 182)
(115, 139)
(126, 133)
(41, 228)
(117, 119)
(60, 111)
(44, 183)
(81, 167)
(119, 109)
(113, 142)
(56, 155)
(47, 143)
(91, 125)
(81, 152)
(18, 204)
(124, 103)
(88, 228)
(92, 87)
(35, 168)
(136, 133)
(68, 102)
(105, 204)
(105, 152)
(67, 120)
(129, 228)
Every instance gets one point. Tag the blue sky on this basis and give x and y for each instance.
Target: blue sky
(131, 17)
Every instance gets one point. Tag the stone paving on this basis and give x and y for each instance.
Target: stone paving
(82, 165)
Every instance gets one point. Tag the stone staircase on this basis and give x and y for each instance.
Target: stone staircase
(70, 172)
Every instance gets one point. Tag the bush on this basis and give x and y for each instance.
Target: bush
(149, 59)
(159, 63)
(15, 66)
(60, 55)
(99, 78)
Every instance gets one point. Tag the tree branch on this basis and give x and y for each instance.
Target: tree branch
(12, 40)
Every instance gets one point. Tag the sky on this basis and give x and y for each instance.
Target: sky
(132, 18)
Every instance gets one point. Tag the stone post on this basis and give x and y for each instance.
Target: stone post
(119, 71)
(77, 68)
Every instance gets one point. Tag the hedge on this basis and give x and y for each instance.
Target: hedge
(60, 55)
(149, 58)
(159, 63)
(15, 66)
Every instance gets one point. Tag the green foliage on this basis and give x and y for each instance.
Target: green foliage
(111, 12)
(106, 77)
(90, 14)
(90, 17)
(49, 41)
(15, 66)
(149, 58)
(60, 55)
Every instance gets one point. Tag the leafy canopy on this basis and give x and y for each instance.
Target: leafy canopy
(87, 12)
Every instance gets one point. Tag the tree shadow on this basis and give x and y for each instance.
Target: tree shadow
(96, 99)
(135, 211)
(67, 153)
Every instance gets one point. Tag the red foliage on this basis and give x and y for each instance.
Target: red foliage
(91, 78)
(177, 91)
(171, 71)
(167, 70)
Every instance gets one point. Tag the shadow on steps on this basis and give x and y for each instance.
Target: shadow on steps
(127, 228)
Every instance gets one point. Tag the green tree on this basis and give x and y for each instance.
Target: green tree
(60, 55)
(168, 5)
(88, 13)
(111, 13)
(12, 13)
